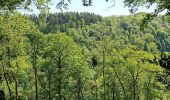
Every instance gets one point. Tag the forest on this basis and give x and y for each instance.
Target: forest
(84, 56)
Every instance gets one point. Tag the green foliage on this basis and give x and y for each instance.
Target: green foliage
(161, 5)
(53, 58)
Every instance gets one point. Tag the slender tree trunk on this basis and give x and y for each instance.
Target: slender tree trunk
(49, 85)
(134, 79)
(35, 72)
(16, 82)
(16, 89)
(134, 87)
(103, 71)
(36, 85)
(6, 80)
(79, 89)
(9, 89)
(96, 90)
(113, 94)
(59, 79)
(124, 91)
(16, 86)
(113, 91)
(9, 58)
(134, 91)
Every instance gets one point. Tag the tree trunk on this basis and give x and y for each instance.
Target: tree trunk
(103, 71)
(59, 79)
(36, 85)
(9, 58)
(16, 82)
(35, 72)
(79, 89)
(49, 85)
(134, 91)
(16, 89)
(113, 91)
(6, 80)
(121, 83)
(96, 92)
(16, 86)
(148, 93)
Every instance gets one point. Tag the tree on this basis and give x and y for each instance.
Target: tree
(136, 76)
(63, 63)
(14, 47)
(90, 61)
(161, 5)
(35, 40)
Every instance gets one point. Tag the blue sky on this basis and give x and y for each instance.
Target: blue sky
(100, 7)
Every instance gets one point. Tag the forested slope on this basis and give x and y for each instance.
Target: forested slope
(127, 28)
(83, 56)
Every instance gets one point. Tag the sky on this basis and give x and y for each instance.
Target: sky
(100, 7)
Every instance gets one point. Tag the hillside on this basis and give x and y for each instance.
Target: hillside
(84, 56)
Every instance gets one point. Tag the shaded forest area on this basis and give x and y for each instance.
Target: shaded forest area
(84, 56)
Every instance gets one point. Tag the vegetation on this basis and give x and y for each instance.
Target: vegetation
(83, 56)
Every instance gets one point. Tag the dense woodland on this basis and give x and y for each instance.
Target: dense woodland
(84, 56)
